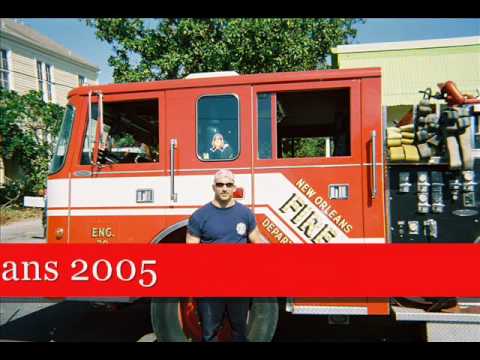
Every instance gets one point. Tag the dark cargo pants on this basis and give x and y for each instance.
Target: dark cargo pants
(212, 311)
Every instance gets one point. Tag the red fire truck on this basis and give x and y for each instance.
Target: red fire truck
(309, 151)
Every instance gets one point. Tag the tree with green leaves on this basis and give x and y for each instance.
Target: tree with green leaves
(174, 48)
(27, 126)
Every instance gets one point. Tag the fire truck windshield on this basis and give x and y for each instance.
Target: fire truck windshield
(63, 140)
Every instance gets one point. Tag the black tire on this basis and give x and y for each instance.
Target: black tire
(165, 320)
(264, 320)
(428, 304)
(261, 326)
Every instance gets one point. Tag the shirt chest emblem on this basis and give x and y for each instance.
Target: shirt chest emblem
(241, 229)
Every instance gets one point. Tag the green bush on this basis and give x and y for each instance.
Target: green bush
(11, 191)
(28, 126)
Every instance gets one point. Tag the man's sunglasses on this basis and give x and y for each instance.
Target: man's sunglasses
(221, 185)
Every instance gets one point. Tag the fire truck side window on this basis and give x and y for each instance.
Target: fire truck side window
(130, 133)
(265, 126)
(217, 128)
(313, 123)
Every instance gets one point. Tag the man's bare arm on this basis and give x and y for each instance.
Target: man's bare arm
(255, 237)
(192, 239)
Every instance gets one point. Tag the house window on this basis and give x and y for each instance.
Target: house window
(48, 77)
(40, 76)
(81, 80)
(45, 80)
(4, 70)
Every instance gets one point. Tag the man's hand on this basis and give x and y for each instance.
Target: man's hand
(192, 239)
(255, 237)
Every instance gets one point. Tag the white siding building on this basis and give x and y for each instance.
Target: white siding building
(31, 61)
(411, 66)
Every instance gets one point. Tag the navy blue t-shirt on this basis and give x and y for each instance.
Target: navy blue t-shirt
(222, 225)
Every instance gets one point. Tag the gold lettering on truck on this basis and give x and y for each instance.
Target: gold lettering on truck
(304, 216)
(102, 234)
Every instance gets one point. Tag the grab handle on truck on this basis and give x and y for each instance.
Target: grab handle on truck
(99, 144)
(91, 150)
(173, 146)
(374, 164)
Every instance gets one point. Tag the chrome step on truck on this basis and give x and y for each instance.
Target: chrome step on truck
(461, 326)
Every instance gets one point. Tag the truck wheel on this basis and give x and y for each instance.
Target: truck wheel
(264, 314)
(176, 320)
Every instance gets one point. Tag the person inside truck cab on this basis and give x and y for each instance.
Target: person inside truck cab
(145, 154)
(220, 149)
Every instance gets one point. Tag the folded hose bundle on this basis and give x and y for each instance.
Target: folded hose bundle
(393, 129)
(400, 143)
(407, 141)
(407, 128)
(394, 142)
(393, 133)
(411, 153)
(407, 135)
(396, 153)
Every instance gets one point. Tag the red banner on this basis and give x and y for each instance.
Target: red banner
(179, 270)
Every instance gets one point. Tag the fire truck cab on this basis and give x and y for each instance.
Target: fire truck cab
(133, 161)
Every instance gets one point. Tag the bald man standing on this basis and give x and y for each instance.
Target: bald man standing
(223, 221)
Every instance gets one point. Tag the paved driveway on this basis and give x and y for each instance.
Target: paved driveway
(44, 320)
(26, 231)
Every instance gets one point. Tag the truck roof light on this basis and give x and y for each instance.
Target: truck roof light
(201, 75)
